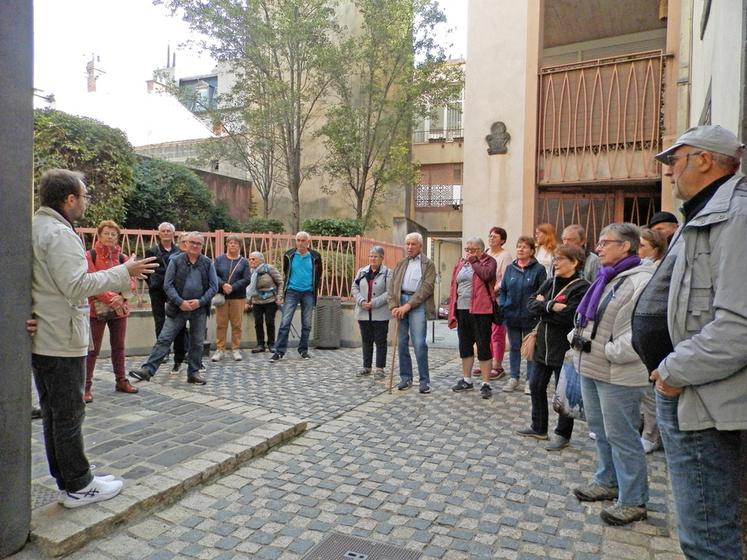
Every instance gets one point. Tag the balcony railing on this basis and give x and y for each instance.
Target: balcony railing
(437, 135)
(600, 120)
(341, 256)
(438, 196)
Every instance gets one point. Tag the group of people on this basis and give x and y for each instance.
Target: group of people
(654, 322)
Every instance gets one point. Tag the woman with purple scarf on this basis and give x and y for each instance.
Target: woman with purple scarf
(613, 378)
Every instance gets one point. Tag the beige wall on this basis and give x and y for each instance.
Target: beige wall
(609, 46)
(503, 43)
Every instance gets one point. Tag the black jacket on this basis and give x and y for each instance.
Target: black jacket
(316, 263)
(155, 280)
(552, 341)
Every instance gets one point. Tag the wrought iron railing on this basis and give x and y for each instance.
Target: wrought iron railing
(438, 196)
(437, 135)
(341, 256)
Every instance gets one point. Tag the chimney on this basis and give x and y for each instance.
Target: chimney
(93, 72)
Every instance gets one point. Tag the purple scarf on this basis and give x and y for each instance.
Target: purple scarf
(587, 309)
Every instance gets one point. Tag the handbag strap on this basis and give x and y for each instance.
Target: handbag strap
(230, 274)
(566, 287)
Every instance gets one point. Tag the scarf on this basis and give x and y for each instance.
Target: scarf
(587, 309)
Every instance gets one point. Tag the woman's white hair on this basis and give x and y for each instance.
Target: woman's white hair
(257, 255)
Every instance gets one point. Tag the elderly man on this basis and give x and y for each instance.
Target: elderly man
(574, 235)
(411, 301)
(163, 250)
(302, 269)
(693, 340)
(665, 222)
(60, 287)
(190, 284)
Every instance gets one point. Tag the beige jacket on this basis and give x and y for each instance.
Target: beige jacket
(61, 286)
(424, 293)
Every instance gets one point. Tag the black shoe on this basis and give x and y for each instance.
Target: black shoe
(141, 374)
(425, 388)
(529, 432)
(486, 391)
(404, 385)
(259, 349)
(36, 413)
(197, 380)
(276, 357)
(462, 385)
(304, 355)
(176, 368)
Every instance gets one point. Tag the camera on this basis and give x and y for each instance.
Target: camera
(580, 343)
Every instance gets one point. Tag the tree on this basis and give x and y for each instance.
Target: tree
(394, 73)
(282, 53)
(101, 152)
(168, 192)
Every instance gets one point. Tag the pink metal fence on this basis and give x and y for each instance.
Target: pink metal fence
(341, 256)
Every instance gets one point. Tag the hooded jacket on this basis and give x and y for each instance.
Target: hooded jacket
(517, 286)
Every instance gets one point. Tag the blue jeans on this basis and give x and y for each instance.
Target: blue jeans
(171, 328)
(413, 325)
(613, 414)
(704, 468)
(59, 382)
(292, 299)
(515, 336)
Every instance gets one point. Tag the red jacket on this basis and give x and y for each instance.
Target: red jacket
(482, 281)
(105, 259)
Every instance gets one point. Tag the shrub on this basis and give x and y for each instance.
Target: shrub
(220, 218)
(332, 227)
(263, 225)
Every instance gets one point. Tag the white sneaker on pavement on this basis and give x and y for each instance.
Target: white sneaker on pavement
(648, 446)
(61, 494)
(237, 355)
(510, 385)
(527, 389)
(97, 491)
(217, 357)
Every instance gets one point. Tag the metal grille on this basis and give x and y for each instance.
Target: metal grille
(438, 196)
(344, 547)
(41, 496)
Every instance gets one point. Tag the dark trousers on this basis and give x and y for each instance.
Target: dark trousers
(265, 312)
(59, 382)
(538, 385)
(374, 332)
(117, 332)
(158, 301)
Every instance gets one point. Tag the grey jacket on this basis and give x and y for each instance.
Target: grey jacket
(359, 290)
(707, 314)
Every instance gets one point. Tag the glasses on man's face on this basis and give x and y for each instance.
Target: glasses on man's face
(671, 159)
(604, 242)
(471, 249)
(195, 243)
(86, 196)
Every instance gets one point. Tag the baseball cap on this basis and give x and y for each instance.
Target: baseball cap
(662, 218)
(711, 138)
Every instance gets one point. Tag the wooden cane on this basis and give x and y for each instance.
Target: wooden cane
(394, 355)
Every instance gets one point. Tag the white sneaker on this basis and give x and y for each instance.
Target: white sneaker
(648, 446)
(97, 491)
(237, 355)
(217, 357)
(61, 494)
(592, 435)
(510, 385)
(527, 389)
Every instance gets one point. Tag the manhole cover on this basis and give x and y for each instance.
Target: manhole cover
(41, 496)
(345, 547)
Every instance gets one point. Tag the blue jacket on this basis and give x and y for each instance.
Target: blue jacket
(239, 279)
(517, 286)
(176, 275)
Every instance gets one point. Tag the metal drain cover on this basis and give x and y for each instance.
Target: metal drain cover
(41, 496)
(345, 547)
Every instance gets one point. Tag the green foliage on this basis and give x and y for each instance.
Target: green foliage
(220, 218)
(168, 192)
(332, 227)
(263, 225)
(101, 152)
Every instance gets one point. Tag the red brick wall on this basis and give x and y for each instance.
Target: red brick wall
(236, 193)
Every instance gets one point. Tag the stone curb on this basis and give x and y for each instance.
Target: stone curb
(57, 531)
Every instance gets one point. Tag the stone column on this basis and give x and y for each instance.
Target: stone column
(504, 46)
(16, 124)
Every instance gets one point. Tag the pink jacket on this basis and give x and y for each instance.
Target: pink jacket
(482, 283)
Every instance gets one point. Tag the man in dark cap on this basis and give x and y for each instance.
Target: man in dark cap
(665, 222)
(689, 328)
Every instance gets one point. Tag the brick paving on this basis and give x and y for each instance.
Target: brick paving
(442, 474)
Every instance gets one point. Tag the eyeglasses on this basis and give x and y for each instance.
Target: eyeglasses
(604, 242)
(86, 196)
(671, 159)
(471, 249)
(196, 243)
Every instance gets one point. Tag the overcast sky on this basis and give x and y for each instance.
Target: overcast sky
(131, 38)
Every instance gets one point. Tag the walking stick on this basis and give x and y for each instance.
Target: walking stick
(394, 355)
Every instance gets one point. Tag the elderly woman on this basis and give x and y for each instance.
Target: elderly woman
(613, 378)
(496, 240)
(108, 309)
(471, 312)
(264, 298)
(369, 291)
(653, 245)
(522, 279)
(555, 303)
(233, 278)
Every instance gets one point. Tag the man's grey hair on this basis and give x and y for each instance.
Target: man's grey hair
(257, 255)
(377, 250)
(196, 235)
(731, 163)
(168, 225)
(414, 236)
(625, 231)
(475, 241)
(303, 234)
(578, 230)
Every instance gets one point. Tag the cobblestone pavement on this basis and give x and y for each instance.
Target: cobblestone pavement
(442, 474)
